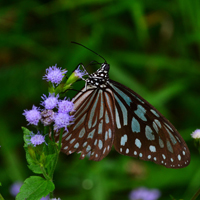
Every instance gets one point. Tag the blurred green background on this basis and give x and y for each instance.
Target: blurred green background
(153, 47)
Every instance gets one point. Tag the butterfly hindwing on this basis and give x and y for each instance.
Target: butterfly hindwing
(141, 131)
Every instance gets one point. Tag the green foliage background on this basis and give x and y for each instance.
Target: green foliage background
(153, 47)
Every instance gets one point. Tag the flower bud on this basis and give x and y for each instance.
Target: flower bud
(47, 117)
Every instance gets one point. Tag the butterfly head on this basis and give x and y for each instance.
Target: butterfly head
(99, 78)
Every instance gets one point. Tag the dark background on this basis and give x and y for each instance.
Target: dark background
(153, 47)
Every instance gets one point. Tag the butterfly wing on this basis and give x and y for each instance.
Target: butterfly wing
(93, 128)
(141, 131)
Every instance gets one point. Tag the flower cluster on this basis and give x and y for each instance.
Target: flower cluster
(55, 111)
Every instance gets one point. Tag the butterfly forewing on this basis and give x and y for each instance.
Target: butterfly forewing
(93, 128)
(141, 131)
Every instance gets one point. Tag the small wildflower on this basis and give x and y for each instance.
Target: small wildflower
(196, 134)
(54, 74)
(37, 139)
(50, 102)
(32, 116)
(14, 188)
(62, 120)
(45, 198)
(55, 199)
(47, 117)
(65, 106)
(144, 194)
(80, 73)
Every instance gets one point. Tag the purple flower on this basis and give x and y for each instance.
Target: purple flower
(80, 73)
(196, 134)
(50, 102)
(65, 106)
(37, 139)
(143, 193)
(54, 74)
(47, 117)
(45, 198)
(62, 120)
(14, 188)
(32, 116)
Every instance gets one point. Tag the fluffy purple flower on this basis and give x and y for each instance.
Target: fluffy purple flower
(54, 74)
(32, 116)
(65, 106)
(37, 139)
(50, 102)
(45, 198)
(196, 134)
(80, 73)
(14, 188)
(62, 120)
(143, 193)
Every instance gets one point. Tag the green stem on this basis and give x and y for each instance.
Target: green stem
(52, 133)
(196, 194)
(1, 197)
(45, 174)
(46, 130)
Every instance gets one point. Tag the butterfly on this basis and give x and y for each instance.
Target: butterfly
(108, 113)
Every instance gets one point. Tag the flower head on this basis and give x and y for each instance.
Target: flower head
(62, 120)
(65, 106)
(50, 102)
(143, 193)
(32, 116)
(196, 134)
(47, 117)
(14, 188)
(80, 73)
(54, 74)
(37, 139)
(45, 198)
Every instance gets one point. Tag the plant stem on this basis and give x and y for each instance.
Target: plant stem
(45, 174)
(52, 133)
(196, 194)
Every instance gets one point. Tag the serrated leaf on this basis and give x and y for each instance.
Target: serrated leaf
(34, 188)
(51, 148)
(49, 159)
(27, 136)
(35, 168)
(30, 156)
(49, 164)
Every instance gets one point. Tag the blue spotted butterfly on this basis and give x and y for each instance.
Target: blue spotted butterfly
(108, 113)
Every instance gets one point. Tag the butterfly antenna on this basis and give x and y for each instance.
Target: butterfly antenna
(89, 50)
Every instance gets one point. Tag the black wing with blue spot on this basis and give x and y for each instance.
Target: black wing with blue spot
(141, 131)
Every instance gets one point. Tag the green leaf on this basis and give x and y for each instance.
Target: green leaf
(34, 188)
(50, 163)
(27, 136)
(51, 148)
(35, 168)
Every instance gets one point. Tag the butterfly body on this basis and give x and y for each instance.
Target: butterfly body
(100, 78)
(108, 113)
